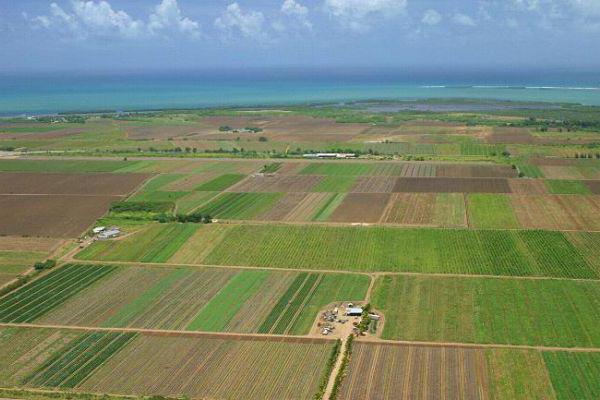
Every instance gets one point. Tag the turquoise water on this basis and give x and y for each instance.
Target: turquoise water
(24, 95)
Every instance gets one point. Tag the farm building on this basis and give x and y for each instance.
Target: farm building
(109, 234)
(329, 155)
(354, 312)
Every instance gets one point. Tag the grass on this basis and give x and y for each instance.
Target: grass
(530, 170)
(337, 169)
(517, 375)
(335, 184)
(160, 181)
(217, 313)
(240, 205)
(574, 375)
(34, 300)
(449, 210)
(484, 310)
(155, 243)
(556, 186)
(129, 311)
(491, 211)
(329, 207)
(192, 200)
(220, 183)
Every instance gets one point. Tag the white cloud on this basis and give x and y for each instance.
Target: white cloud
(249, 24)
(586, 7)
(167, 16)
(353, 13)
(463, 19)
(529, 5)
(431, 17)
(512, 23)
(293, 9)
(99, 19)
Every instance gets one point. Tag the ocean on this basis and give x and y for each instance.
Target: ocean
(35, 94)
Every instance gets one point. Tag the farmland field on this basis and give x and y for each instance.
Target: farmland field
(487, 252)
(484, 310)
(392, 371)
(491, 211)
(58, 205)
(239, 205)
(195, 367)
(202, 299)
(30, 302)
(472, 227)
(154, 243)
(574, 375)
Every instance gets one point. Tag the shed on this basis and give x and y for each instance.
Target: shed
(354, 312)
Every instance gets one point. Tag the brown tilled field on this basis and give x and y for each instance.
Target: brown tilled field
(278, 183)
(308, 207)
(475, 171)
(361, 207)
(214, 366)
(528, 186)
(65, 184)
(389, 371)
(594, 186)
(503, 135)
(557, 212)
(411, 209)
(373, 184)
(452, 185)
(50, 215)
(283, 207)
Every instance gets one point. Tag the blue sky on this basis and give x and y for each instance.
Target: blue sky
(153, 35)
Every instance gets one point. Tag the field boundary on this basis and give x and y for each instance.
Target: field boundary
(374, 274)
(298, 338)
(176, 333)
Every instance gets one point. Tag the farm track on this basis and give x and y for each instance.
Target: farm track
(375, 224)
(298, 338)
(331, 271)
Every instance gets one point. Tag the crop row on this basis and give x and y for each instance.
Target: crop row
(74, 363)
(512, 253)
(32, 301)
(239, 205)
(483, 310)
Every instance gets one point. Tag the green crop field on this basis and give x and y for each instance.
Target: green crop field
(216, 314)
(78, 359)
(220, 183)
(239, 205)
(335, 184)
(452, 251)
(329, 207)
(574, 375)
(491, 211)
(517, 375)
(155, 243)
(33, 300)
(567, 187)
(484, 310)
(518, 253)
